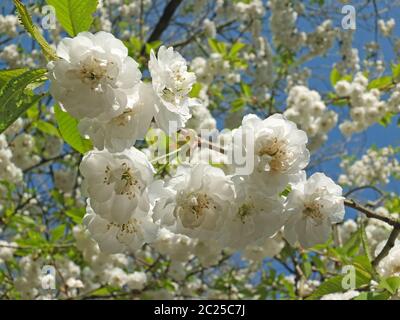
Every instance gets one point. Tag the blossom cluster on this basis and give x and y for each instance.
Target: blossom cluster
(98, 83)
(366, 106)
(306, 109)
(377, 166)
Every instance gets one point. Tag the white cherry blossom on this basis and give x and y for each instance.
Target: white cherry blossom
(313, 206)
(94, 76)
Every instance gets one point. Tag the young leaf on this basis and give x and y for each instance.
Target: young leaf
(58, 232)
(47, 128)
(13, 99)
(391, 284)
(74, 15)
(335, 76)
(396, 71)
(26, 21)
(380, 83)
(68, 127)
(236, 47)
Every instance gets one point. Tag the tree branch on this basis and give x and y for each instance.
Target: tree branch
(163, 22)
(371, 214)
(388, 245)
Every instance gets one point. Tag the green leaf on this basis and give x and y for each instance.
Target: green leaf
(33, 112)
(365, 244)
(363, 265)
(74, 15)
(351, 247)
(396, 71)
(194, 93)
(236, 47)
(14, 98)
(391, 284)
(58, 232)
(237, 104)
(380, 83)
(334, 284)
(286, 192)
(373, 296)
(47, 128)
(7, 75)
(76, 214)
(68, 127)
(217, 46)
(331, 285)
(153, 46)
(386, 120)
(246, 90)
(26, 21)
(335, 76)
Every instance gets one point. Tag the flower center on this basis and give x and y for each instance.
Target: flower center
(191, 209)
(245, 211)
(313, 211)
(124, 118)
(94, 71)
(275, 149)
(124, 179)
(124, 229)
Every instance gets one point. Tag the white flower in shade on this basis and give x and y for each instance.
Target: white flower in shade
(208, 252)
(122, 131)
(136, 280)
(389, 266)
(114, 237)
(313, 206)
(94, 75)
(172, 84)
(116, 182)
(7, 250)
(65, 179)
(256, 215)
(348, 295)
(277, 148)
(266, 247)
(177, 246)
(196, 202)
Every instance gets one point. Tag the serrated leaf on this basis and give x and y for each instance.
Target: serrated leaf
(7, 75)
(74, 15)
(68, 127)
(14, 100)
(26, 21)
